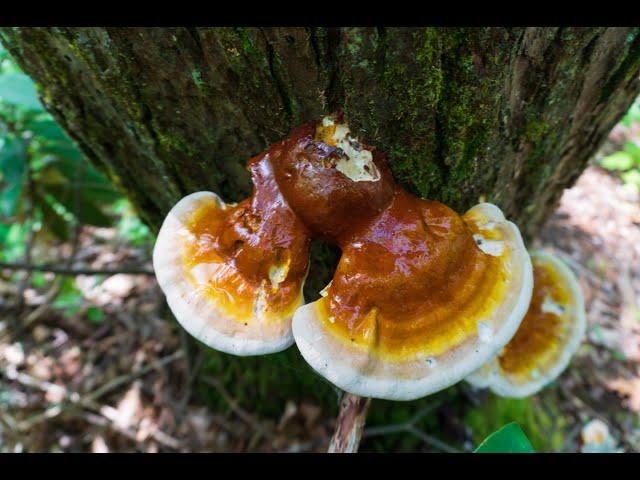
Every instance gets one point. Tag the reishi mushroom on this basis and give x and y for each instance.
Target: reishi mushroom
(421, 297)
(233, 274)
(547, 338)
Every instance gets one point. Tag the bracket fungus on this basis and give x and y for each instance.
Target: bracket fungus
(421, 296)
(547, 338)
(233, 274)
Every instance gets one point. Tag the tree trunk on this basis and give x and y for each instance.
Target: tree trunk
(510, 115)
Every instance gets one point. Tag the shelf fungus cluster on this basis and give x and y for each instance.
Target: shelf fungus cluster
(548, 336)
(422, 297)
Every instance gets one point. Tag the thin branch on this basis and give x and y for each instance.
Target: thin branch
(232, 402)
(49, 297)
(60, 270)
(74, 399)
(410, 427)
(259, 428)
(24, 282)
(122, 379)
(349, 424)
(158, 435)
(193, 363)
(385, 430)
(433, 441)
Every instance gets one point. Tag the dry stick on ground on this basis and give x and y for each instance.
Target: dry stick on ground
(410, 427)
(351, 420)
(62, 270)
(260, 429)
(570, 441)
(74, 399)
(350, 423)
(160, 437)
(350, 426)
(193, 362)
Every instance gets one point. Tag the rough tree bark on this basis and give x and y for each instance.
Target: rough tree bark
(510, 115)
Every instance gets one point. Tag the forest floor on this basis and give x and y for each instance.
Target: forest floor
(102, 369)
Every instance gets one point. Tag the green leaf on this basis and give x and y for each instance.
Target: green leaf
(12, 240)
(70, 298)
(131, 227)
(18, 89)
(86, 212)
(13, 164)
(618, 161)
(9, 198)
(51, 219)
(617, 355)
(66, 150)
(633, 149)
(632, 177)
(13, 159)
(95, 314)
(509, 439)
(70, 163)
(47, 129)
(38, 279)
(633, 115)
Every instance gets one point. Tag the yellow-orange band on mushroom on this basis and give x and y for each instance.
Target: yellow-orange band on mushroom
(413, 282)
(233, 274)
(548, 336)
(538, 341)
(416, 303)
(240, 287)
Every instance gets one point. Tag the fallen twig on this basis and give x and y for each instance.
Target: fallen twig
(122, 379)
(61, 270)
(260, 429)
(410, 427)
(159, 436)
(73, 399)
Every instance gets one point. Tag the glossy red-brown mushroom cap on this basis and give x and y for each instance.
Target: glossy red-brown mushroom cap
(233, 274)
(421, 298)
(329, 178)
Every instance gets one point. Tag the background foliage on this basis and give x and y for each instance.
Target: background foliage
(626, 160)
(47, 189)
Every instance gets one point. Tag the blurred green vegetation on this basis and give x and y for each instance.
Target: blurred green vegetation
(47, 188)
(542, 423)
(627, 160)
(509, 439)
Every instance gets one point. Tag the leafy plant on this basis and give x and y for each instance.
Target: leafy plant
(509, 439)
(95, 314)
(47, 187)
(130, 226)
(45, 183)
(70, 298)
(545, 427)
(627, 160)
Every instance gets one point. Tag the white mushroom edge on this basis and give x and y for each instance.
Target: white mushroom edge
(196, 312)
(489, 375)
(360, 373)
